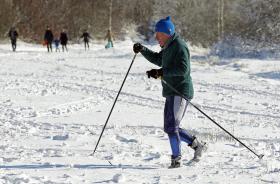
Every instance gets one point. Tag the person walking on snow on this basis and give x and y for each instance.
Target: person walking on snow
(48, 38)
(174, 60)
(13, 36)
(109, 36)
(86, 37)
(56, 43)
(63, 40)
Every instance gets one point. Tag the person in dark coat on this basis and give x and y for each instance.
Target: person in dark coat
(63, 40)
(86, 37)
(48, 38)
(13, 36)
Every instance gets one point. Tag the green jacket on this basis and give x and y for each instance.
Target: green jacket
(174, 59)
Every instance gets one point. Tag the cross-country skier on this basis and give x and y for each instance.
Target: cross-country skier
(174, 60)
(48, 38)
(86, 37)
(13, 36)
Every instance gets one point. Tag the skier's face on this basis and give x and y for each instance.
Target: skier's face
(162, 38)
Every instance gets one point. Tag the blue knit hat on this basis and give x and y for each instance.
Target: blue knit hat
(165, 26)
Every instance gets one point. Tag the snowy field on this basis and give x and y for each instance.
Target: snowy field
(53, 107)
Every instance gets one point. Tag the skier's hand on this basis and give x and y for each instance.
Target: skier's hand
(154, 73)
(137, 47)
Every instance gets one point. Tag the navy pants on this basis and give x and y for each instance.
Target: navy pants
(14, 44)
(174, 111)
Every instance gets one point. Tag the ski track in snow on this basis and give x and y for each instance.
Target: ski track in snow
(53, 107)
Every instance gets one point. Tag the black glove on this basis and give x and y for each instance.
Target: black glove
(155, 73)
(137, 47)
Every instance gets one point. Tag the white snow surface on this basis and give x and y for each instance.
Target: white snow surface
(53, 107)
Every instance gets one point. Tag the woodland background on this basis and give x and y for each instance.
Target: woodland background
(202, 22)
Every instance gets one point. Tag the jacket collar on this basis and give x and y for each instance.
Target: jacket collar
(171, 39)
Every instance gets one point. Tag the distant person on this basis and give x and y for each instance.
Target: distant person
(48, 38)
(109, 36)
(13, 36)
(86, 37)
(56, 43)
(63, 40)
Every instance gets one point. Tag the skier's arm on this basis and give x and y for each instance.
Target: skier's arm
(152, 56)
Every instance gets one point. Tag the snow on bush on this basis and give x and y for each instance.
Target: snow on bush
(232, 47)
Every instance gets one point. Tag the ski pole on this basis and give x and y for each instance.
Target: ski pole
(113, 106)
(176, 91)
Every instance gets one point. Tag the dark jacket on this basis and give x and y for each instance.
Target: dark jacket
(86, 36)
(174, 59)
(56, 42)
(63, 38)
(48, 36)
(13, 35)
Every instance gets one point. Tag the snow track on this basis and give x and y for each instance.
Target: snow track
(53, 107)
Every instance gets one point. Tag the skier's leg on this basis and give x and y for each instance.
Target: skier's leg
(171, 127)
(180, 106)
(175, 144)
(192, 141)
(186, 136)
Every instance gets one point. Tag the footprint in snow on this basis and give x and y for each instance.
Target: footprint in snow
(152, 156)
(123, 139)
(60, 137)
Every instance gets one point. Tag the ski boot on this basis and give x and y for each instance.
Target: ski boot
(175, 162)
(199, 148)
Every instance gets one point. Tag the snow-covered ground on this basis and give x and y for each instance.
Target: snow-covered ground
(53, 107)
